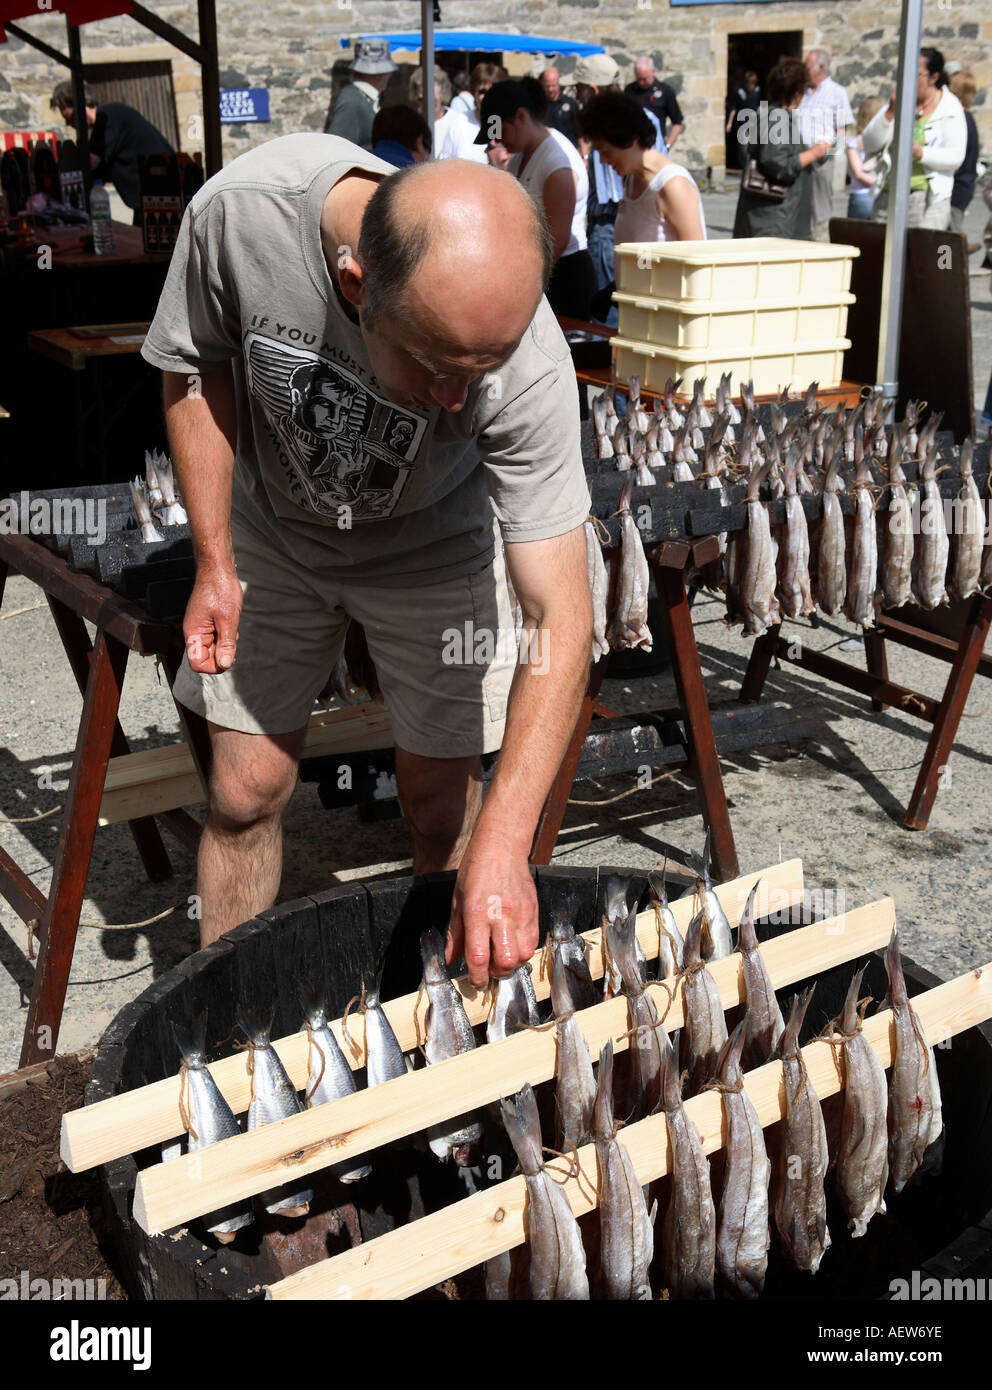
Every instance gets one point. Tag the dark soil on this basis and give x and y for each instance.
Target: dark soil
(52, 1222)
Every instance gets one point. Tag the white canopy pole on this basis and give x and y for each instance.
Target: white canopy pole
(894, 265)
(427, 60)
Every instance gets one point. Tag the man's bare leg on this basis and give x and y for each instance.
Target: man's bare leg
(441, 799)
(240, 860)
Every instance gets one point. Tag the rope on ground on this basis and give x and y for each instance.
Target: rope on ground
(26, 820)
(574, 800)
(132, 926)
(16, 612)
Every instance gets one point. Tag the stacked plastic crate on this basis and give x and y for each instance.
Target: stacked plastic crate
(767, 309)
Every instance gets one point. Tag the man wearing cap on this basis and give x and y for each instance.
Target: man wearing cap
(352, 114)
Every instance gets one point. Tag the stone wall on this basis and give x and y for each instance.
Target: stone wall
(291, 47)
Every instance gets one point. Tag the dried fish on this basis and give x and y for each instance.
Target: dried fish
(832, 568)
(630, 621)
(897, 560)
(599, 587)
(930, 567)
(859, 604)
(862, 1159)
(448, 1034)
(575, 1086)
(914, 1120)
(626, 1233)
(717, 940)
(572, 988)
(557, 1257)
(649, 1038)
(142, 510)
(800, 1200)
(689, 1227)
(969, 531)
(764, 1025)
(705, 1030)
(743, 1233)
(757, 587)
(273, 1097)
(794, 593)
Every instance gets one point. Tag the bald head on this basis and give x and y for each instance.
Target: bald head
(644, 72)
(451, 244)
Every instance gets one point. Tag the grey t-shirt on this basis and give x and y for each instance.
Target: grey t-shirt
(326, 466)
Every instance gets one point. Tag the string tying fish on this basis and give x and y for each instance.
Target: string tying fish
(184, 1114)
(601, 529)
(311, 1044)
(724, 1087)
(358, 999)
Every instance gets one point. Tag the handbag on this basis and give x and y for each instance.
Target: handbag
(754, 181)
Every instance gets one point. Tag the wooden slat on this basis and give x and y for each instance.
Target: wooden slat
(425, 1252)
(154, 780)
(150, 1115)
(166, 1195)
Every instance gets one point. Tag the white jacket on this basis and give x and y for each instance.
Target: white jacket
(945, 136)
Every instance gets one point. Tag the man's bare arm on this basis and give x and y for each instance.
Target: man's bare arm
(495, 907)
(201, 421)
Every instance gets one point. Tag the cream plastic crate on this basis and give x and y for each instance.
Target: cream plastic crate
(770, 368)
(751, 268)
(703, 326)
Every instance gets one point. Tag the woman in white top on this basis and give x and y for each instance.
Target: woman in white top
(513, 114)
(940, 137)
(660, 201)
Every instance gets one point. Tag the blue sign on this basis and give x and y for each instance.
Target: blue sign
(243, 104)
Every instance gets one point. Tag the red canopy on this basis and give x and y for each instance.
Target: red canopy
(76, 11)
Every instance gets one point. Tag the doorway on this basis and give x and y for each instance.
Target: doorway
(757, 53)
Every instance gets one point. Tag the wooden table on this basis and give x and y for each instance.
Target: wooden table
(99, 668)
(73, 348)
(69, 253)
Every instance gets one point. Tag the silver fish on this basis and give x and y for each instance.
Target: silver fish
(273, 1097)
(557, 1257)
(800, 1200)
(329, 1077)
(449, 1034)
(626, 1233)
(743, 1234)
(689, 1227)
(670, 943)
(862, 1159)
(915, 1120)
(142, 510)
(173, 511)
(717, 940)
(705, 1029)
(572, 986)
(575, 1086)
(384, 1058)
(514, 1007)
(794, 591)
(616, 917)
(764, 1025)
(969, 531)
(210, 1119)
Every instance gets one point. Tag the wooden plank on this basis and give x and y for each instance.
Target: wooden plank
(134, 1120)
(168, 1194)
(419, 1255)
(161, 779)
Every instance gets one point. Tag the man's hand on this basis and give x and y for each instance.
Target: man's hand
(211, 622)
(494, 911)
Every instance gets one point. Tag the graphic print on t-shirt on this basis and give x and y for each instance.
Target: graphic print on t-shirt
(346, 445)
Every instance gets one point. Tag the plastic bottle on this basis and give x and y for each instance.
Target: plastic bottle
(103, 227)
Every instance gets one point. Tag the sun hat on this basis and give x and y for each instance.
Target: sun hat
(372, 57)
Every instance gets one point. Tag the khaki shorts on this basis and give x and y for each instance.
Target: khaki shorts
(444, 672)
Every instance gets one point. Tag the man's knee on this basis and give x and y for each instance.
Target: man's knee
(441, 802)
(250, 782)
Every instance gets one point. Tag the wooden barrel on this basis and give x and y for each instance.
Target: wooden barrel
(943, 1227)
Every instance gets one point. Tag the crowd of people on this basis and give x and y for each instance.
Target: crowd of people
(788, 178)
(592, 154)
(596, 156)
